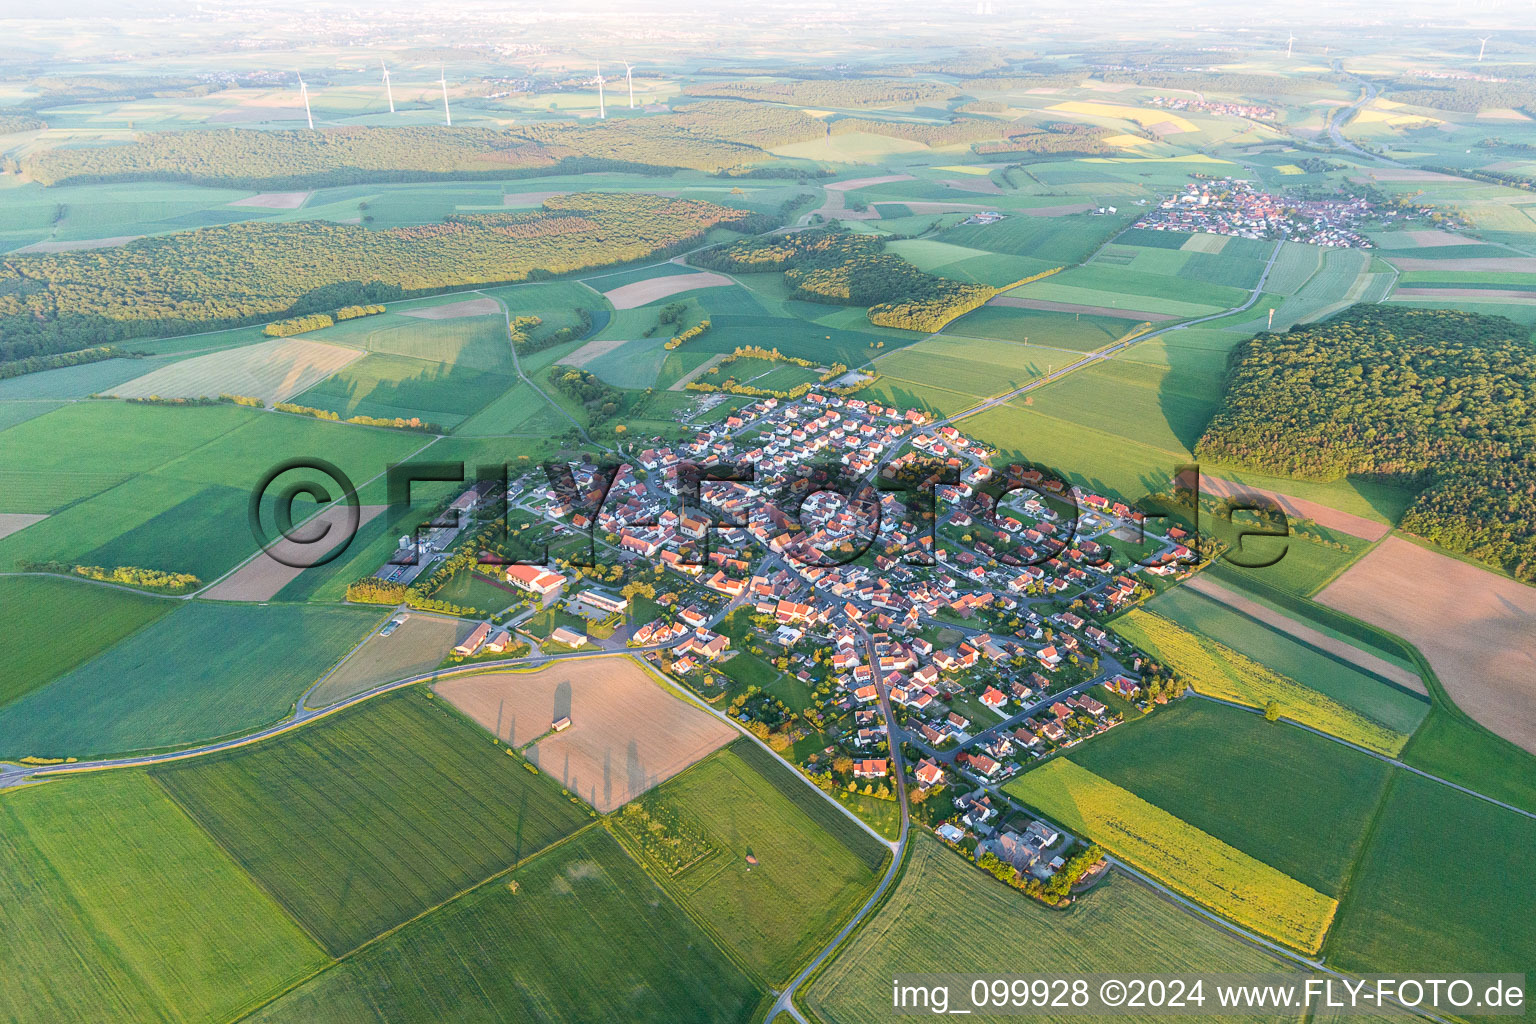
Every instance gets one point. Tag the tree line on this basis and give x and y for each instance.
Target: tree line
(1439, 399)
(856, 92)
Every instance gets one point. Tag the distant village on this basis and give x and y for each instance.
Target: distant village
(1233, 206)
(1253, 111)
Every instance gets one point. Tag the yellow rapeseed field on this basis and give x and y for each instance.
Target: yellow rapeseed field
(1176, 853)
(1216, 670)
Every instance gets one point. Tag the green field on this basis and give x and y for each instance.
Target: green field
(971, 366)
(1408, 910)
(1165, 408)
(1454, 749)
(1077, 333)
(1295, 801)
(1057, 240)
(586, 937)
(794, 788)
(946, 916)
(386, 386)
(373, 816)
(52, 625)
(1394, 708)
(205, 670)
(476, 342)
(1178, 854)
(775, 914)
(169, 488)
(115, 906)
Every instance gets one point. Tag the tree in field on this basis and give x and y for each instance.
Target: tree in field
(1272, 711)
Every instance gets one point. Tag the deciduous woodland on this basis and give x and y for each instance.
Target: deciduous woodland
(1439, 397)
(843, 268)
(712, 136)
(241, 273)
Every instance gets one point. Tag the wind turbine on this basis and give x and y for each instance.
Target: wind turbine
(388, 91)
(443, 78)
(1289, 43)
(1484, 41)
(304, 95)
(602, 112)
(629, 77)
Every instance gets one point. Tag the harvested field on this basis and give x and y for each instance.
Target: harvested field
(630, 296)
(846, 186)
(980, 185)
(527, 198)
(1433, 239)
(418, 645)
(1480, 264)
(268, 571)
(455, 310)
(1205, 243)
(1477, 629)
(1075, 307)
(1065, 210)
(1333, 519)
(627, 733)
(270, 370)
(274, 200)
(593, 350)
(80, 244)
(1201, 584)
(1485, 294)
(10, 522)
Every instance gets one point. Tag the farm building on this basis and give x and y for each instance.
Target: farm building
(472, 643)
(568, 637)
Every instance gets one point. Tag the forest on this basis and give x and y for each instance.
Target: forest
(1442, 399)
(843, 268)
(1466, 95)
(254, 271)
(713, 136)
(847, 93)
(966, 129)
(1059, 138)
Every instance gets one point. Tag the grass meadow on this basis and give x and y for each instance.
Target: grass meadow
(1178, 854)
(203, 671)
(805, 883)
(363, 821)
(117, 907)
(1216, 670)
(52, 625)
(942, 906)
(1295, 801)
(585, 937)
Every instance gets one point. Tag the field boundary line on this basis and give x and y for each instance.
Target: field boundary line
(1394, 761)
(349, 954)
(1367, 837)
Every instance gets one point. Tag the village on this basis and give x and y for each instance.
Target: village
(1233, 206)
(931, 631)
